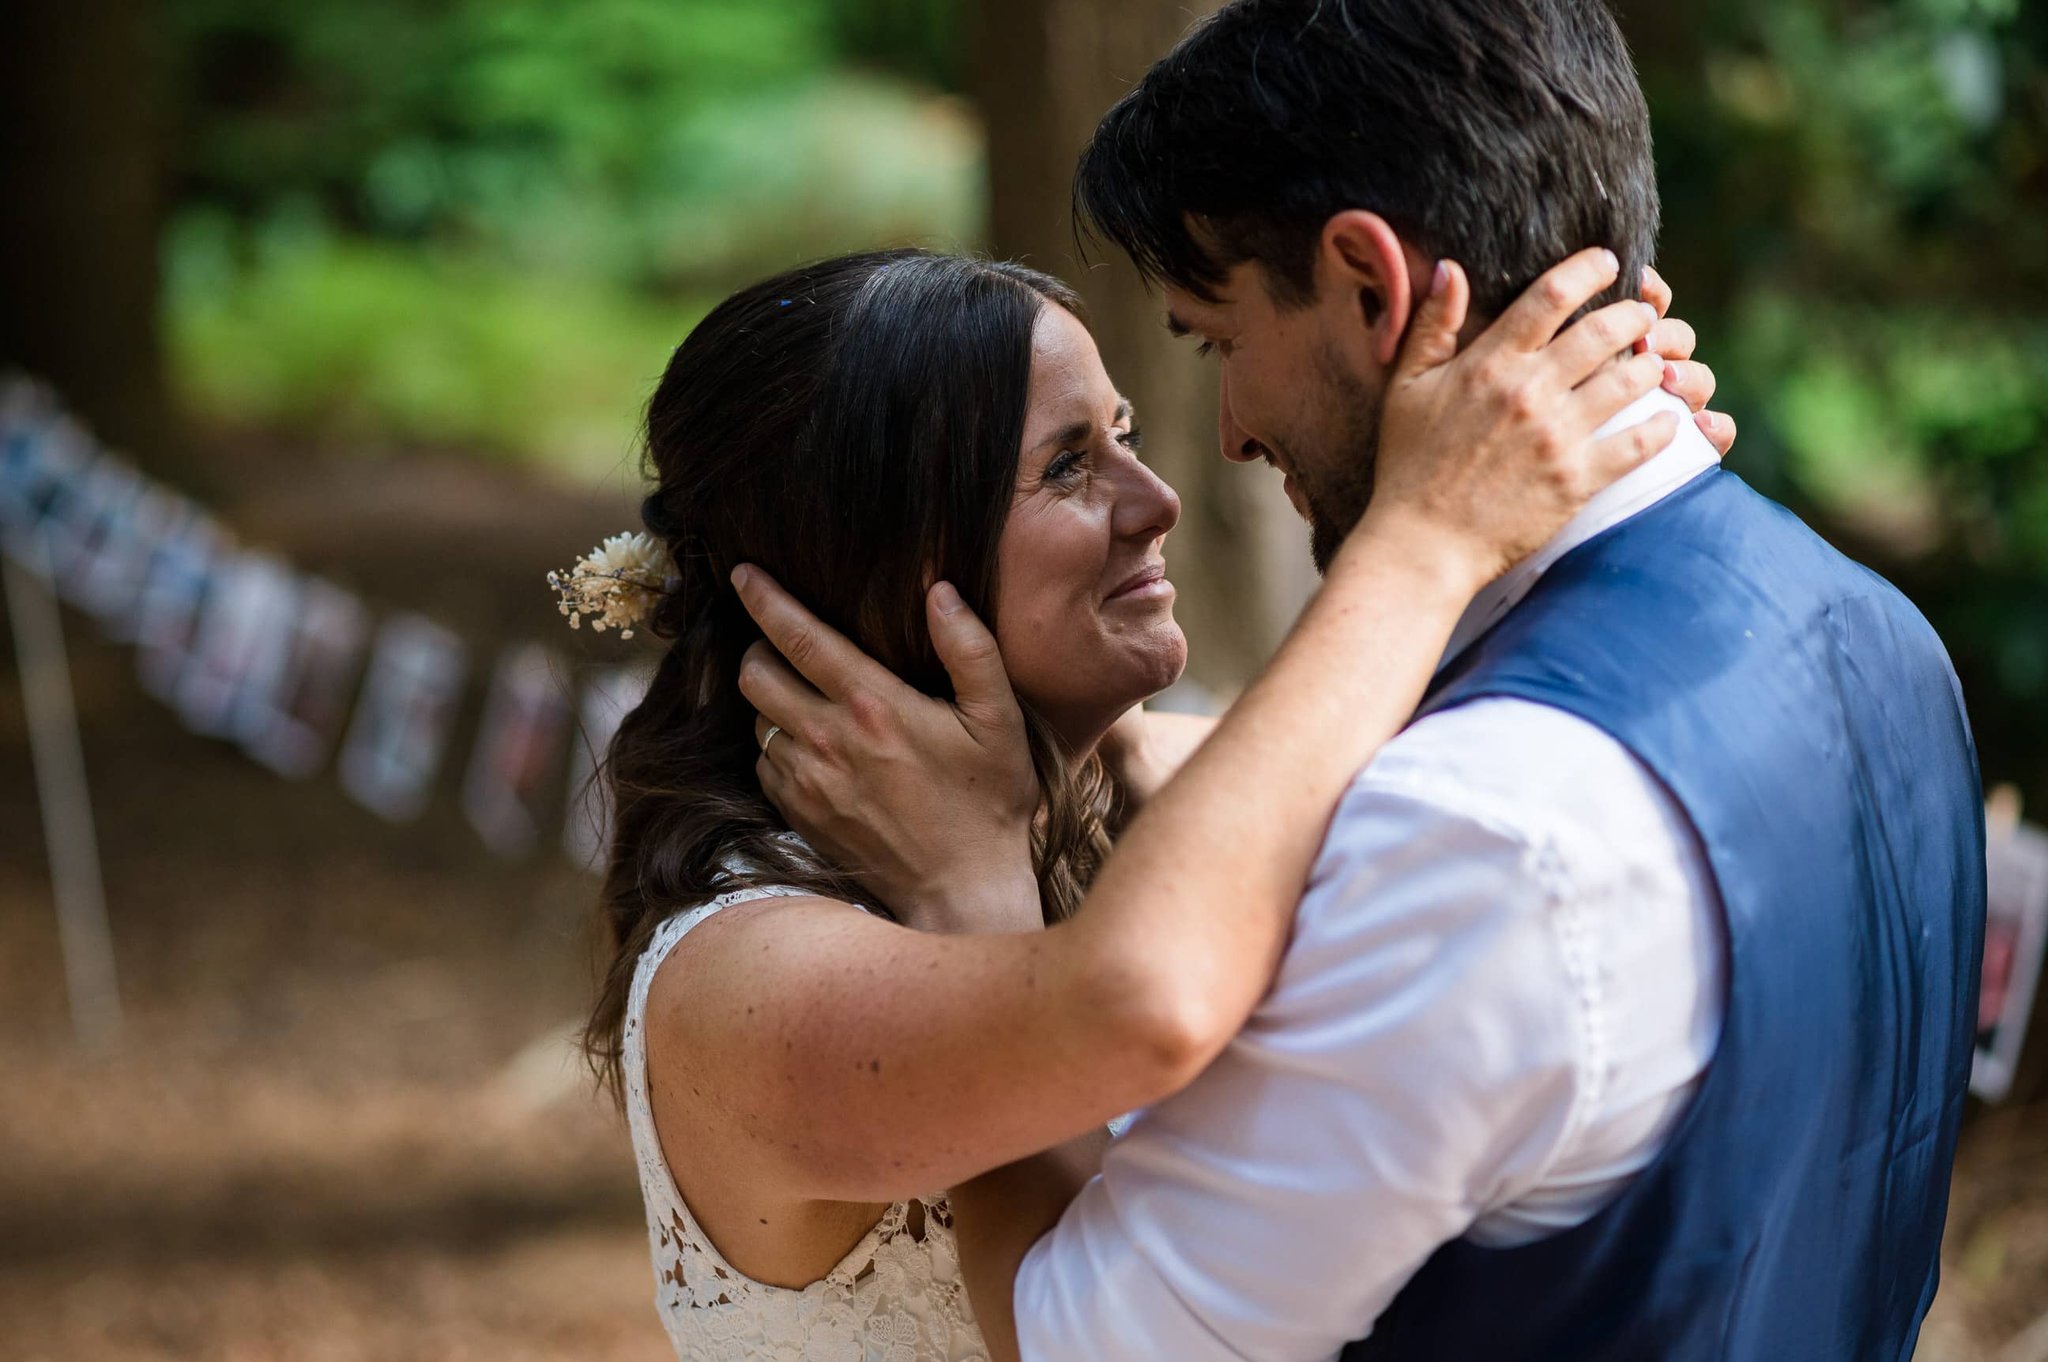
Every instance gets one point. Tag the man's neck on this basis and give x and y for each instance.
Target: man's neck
(1685, 458)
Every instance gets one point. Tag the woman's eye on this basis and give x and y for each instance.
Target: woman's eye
(1205, 349)
(1063, 465)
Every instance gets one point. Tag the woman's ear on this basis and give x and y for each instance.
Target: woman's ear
(1362, 260)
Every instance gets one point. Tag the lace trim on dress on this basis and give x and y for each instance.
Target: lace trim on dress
(895, 1297)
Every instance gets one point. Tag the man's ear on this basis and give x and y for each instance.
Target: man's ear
(1363, 260)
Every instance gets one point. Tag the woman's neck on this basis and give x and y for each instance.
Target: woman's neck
(1081, 734)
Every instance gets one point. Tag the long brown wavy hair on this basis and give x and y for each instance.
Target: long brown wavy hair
(853, 427)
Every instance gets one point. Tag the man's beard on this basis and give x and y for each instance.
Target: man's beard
(1336, 481)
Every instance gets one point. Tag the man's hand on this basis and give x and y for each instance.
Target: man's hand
(927, 802)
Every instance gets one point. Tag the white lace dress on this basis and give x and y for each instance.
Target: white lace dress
(897, 1297)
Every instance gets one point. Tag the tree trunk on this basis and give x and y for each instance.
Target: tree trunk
(80, 213)
(1045, 71)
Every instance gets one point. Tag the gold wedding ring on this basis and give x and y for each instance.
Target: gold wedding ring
(774, 732)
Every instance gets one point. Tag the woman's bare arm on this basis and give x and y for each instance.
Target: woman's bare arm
(887, 1060)
(865, 1061)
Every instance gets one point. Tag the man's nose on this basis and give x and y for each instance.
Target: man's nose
(1237, 445)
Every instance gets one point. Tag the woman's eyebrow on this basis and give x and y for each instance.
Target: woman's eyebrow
(1074, 432)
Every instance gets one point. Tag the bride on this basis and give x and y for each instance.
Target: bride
(912, 444)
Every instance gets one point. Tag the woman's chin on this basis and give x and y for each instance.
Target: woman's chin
(1143, 666)
(1160, 660)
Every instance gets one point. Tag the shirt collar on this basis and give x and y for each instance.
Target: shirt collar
(1684, 459)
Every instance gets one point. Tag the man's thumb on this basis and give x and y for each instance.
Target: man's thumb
(1433, 331)
(967, 650)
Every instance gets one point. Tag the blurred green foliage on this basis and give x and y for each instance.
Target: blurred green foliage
(372, 343)
(487, 221)
(1856, 195)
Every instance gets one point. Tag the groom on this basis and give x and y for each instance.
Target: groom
(1628, 1012)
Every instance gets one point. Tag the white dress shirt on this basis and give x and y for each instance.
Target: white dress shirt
(1504, 983)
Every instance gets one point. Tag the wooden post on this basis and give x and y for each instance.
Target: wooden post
(59, 758)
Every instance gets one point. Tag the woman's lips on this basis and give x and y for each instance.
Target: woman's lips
(1148, 585)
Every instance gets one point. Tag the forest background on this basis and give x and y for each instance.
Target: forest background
(484, 223)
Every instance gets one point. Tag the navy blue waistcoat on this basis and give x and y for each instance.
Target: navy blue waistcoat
(1806, 718)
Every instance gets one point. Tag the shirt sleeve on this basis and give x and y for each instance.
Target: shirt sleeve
(1419, 1059)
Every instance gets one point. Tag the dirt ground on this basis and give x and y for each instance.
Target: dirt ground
(343, 1120)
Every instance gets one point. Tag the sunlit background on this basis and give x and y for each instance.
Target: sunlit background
(383, 286)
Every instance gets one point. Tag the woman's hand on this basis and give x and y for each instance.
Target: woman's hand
(929, 803)
(1485, 454)
(1684, 377)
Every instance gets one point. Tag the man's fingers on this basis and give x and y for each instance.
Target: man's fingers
(775, 691)
(823, 655)
(1596, 338)
(1536, 317)
(1432, 339)
(1625, 451)
(968, 651)
(1719, 429)
(1693, 382)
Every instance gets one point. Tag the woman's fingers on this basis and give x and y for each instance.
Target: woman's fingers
(789, 775)
(1432, 339)
(1623, 452)
(1656, 292)
(968, 651)
(1606, 394)
(1719, 429)
(823, 656)
(775, 785)
(1536, 317)
(1673, 338)
(776, 692)
(1596, 338)
(1693, 382)
(776, 742)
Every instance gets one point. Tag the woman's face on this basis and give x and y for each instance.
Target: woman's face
(1084, 612)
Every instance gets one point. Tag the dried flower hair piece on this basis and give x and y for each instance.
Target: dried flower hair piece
(617, 584)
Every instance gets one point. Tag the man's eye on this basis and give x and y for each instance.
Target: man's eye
(1132, 438)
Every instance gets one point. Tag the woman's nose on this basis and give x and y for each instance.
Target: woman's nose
(1147, 507)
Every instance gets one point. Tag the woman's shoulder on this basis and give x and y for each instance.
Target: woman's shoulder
(740, 946)
(747, 888)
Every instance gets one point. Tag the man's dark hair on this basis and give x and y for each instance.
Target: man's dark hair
(1503, 134)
